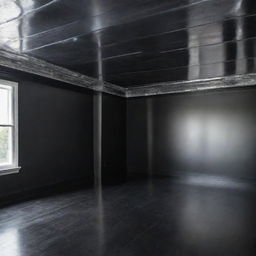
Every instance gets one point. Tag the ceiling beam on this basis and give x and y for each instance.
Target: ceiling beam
(233, 81)
(42, 68)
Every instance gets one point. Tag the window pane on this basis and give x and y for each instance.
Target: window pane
(5, 145)
(5, 106)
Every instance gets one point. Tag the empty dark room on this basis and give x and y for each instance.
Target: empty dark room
(127, 128)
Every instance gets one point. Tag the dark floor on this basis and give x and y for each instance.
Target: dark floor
(159, 217)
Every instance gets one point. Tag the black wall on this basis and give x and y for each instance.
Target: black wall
(113, 139)
(209, 132)
(55, 134)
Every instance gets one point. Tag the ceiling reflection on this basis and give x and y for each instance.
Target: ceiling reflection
(141, 42)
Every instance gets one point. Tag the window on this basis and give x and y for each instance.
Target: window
(8, 127)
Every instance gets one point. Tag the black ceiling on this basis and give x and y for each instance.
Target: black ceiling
(136, 42)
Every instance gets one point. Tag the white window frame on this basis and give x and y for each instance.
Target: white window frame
(14, 166)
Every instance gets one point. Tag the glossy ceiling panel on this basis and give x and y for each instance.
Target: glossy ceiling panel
(139, 42)
(165, 22)
(170, 59)
(213, 70)
(164, 43)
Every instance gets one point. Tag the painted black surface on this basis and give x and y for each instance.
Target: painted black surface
(158, 217)
(55, 134)
(141, 42)
(208, 132)
(113, 139)
(137, 134)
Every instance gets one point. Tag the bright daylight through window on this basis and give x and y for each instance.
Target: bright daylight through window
(8, 126)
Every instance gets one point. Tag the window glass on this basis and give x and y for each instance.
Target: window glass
(8, 125)
(5, 145)
(5, 106)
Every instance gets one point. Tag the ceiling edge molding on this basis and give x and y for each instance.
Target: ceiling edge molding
(42, 68)
(114, 89)
(233, 81)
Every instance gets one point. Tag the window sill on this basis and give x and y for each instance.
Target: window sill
(10, 170)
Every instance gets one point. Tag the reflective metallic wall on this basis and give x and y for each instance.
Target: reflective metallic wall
(211, 133)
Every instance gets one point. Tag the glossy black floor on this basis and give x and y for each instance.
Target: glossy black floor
(157, 217)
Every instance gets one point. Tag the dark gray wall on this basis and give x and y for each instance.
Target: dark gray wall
(209, 132)
(113, 138)
(55, 134)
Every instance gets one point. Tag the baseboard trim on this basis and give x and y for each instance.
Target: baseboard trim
(44, 191)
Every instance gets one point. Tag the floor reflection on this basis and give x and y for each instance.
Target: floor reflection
(100, 220)
(213, 221)
(215, 181)
(152, 217)
(9, 242)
